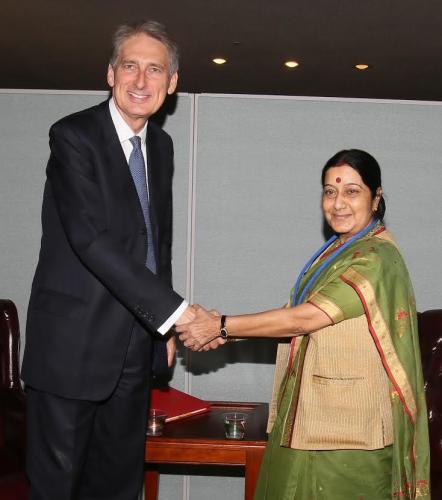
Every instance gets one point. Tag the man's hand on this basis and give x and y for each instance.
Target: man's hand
(203, 332)
(187, 316)
(171, 350)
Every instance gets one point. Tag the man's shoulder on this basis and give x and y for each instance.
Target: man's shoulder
(156, 132)
(86, 119)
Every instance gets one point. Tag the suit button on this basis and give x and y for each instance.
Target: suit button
(150, 317)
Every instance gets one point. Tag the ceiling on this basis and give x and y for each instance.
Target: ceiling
(60, 44)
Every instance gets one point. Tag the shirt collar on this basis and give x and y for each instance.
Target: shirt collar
(124, 132)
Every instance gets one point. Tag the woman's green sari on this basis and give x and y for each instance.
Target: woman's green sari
(367, 277)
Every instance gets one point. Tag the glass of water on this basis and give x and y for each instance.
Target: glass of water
(235, 425)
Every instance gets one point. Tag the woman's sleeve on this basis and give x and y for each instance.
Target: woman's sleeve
(338, 300)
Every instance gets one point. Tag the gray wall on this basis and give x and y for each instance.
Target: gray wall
(247, 213)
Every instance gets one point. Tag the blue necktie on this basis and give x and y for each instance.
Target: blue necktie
(138, 171)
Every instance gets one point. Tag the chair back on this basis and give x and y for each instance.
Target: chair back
(13, 482)
(430, 338)
(9, 346)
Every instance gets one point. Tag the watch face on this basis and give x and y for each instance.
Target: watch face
(223, 333)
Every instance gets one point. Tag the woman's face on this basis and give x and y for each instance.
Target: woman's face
(347, 202)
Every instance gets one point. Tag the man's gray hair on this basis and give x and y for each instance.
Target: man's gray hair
(150, 28)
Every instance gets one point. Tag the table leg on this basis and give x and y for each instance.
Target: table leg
(253, 464)
(151, 479)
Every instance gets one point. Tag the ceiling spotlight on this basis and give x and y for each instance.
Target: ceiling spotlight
(362, 67)
(291, 64)
(219, 60)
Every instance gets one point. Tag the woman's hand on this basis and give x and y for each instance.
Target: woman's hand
(202, 333)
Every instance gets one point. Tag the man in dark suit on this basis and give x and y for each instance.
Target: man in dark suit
(97, 314)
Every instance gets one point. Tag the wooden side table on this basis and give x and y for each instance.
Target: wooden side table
(200, 440)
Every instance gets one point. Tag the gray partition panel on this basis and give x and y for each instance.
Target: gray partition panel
(258, 213)
(25, 119)
(179, 125)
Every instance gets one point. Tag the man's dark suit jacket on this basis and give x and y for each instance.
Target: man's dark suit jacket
(91, 283)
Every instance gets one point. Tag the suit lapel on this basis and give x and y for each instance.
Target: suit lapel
(117, 168)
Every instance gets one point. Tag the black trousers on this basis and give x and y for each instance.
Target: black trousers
(87, 450)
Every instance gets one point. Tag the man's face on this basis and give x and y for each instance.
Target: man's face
(140, 79)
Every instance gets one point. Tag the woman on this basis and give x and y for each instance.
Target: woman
(348, 418)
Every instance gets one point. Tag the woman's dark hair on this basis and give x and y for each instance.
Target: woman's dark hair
(366, 166)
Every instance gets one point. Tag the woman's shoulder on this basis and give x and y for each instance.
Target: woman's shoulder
(379, 253)
(375, 261)
(386, 240)
(380, 243)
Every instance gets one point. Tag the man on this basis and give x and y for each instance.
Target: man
(102, 289)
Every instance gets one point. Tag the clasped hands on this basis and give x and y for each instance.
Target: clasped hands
(199, 329)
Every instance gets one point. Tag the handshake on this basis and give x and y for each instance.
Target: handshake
(199, 329)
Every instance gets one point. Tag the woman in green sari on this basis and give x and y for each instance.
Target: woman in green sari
(348, 417)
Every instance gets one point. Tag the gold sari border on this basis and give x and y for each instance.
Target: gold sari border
(284, 364)
(282, 356)
(335, 313)
(298, 349)
(294, 346)
(381, 335)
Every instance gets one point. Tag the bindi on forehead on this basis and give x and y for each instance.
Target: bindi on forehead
(338, 180)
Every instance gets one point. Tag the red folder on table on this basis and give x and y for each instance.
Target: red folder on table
(176, 404)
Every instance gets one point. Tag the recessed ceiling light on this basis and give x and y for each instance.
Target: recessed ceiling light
(219, 60)
(362, 67)
(291, 64)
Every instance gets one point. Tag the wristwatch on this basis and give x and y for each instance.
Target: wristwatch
(223, 333)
